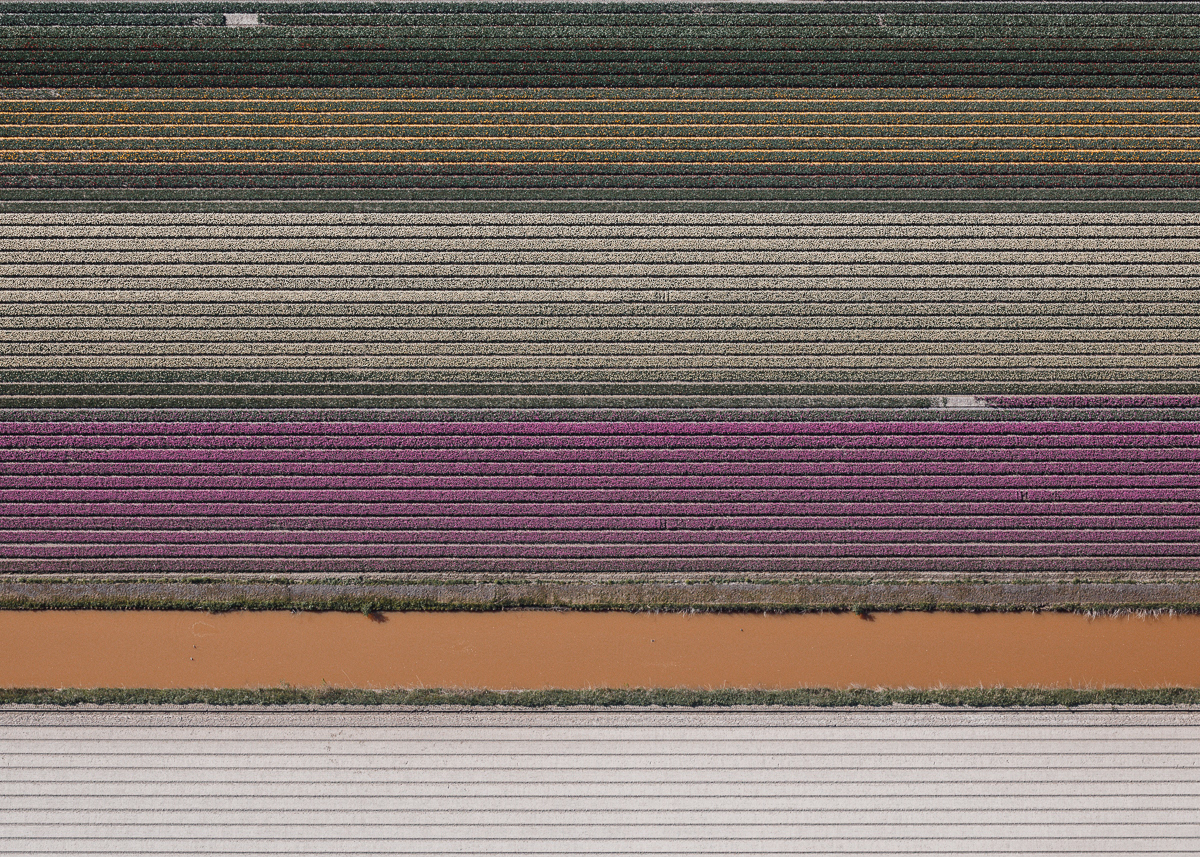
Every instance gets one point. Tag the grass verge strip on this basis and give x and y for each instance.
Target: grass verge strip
(606, 697)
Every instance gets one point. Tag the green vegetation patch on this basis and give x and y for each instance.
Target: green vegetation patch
(376, 604)
(606, 697)
(595, 593)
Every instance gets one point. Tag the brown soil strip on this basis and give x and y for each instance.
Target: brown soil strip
(573, 650)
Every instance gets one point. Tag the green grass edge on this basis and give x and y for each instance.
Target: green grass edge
(606, 697)
(372, 604)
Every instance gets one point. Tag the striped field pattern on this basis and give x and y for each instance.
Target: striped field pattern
(904, 289)
(619, 139)
(923, 781)
(900, 492)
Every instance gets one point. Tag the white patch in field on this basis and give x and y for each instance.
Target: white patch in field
(241, 19)
(959, 402)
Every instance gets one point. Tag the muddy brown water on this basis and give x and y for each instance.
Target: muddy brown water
(543, 649)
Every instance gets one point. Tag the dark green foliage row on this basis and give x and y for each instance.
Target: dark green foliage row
(1064, 14)
(1170, 174)
(604, 45)
(1121, 200)
(882, 174)
(331, 47)
(1130, 19)
(584, 182)
(606, 697)
(167, 202)
(108, 72)
(516, 7)
(463, 137)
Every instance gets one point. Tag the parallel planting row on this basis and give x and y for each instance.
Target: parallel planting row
(952, 492)
(435, 141)
(800, 299)
(841, 44)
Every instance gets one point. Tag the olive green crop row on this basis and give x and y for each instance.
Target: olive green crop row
(1097, 593)
(674, 698)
